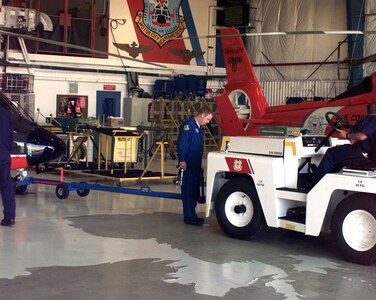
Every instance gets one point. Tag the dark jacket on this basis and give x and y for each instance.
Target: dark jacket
(6, 128)
(368, 127)
(190, 142)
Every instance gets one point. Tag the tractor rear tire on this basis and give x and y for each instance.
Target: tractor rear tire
(354, 228)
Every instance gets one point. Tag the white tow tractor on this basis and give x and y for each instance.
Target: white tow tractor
(255, 181)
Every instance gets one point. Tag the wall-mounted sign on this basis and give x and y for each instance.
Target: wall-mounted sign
(72, 87)
(109, 87)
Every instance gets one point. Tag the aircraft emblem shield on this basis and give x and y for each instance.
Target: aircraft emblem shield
(160, 20)
(239, 165)
(316, 122)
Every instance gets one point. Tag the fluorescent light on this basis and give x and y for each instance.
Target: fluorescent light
(305, 32)
(344, 32)
(276, 33)
(265, 33)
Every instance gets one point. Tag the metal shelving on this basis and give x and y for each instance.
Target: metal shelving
(167, 115)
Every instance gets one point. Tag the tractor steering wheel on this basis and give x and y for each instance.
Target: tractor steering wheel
(337, 125)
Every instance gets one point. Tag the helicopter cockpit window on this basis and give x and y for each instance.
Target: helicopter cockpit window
(19, 145)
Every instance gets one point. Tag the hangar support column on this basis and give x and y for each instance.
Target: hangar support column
(355, 21)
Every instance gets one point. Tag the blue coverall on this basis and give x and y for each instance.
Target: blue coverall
(333, 158)
(190, 150)
(6, 183)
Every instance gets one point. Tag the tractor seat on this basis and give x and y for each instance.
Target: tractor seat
(363, 164)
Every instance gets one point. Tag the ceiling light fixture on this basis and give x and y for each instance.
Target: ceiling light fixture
(344, 32)
(265, 33)
(276, 33)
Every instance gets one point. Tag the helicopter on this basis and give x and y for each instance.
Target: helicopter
(242, 109)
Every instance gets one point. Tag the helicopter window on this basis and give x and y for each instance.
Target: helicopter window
(72, 24)
(19, 139)
(242, 100)
(363, 87)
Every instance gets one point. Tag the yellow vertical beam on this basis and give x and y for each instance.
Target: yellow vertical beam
(106, 154)
(162, 160)
(125, 155)
(99, 150)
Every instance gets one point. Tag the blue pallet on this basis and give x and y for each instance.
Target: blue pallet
(192, 86)
(169, 91)
(163, 88)
(181, 86)
(159, 88)
(201, 86)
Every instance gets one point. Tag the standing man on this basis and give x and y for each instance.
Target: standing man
(362, 138)
(6, 183)
(190, 150)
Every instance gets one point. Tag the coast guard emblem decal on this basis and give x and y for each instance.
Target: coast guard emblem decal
(239, 165)
(160, 20)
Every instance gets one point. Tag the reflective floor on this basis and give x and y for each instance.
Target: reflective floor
(116, 246)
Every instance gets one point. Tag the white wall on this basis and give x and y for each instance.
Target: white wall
(48, 84)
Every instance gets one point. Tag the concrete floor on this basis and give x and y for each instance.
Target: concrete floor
(115, 246)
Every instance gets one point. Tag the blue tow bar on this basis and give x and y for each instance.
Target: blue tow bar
(83, 189)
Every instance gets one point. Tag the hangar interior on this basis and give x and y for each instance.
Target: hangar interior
(114, 80)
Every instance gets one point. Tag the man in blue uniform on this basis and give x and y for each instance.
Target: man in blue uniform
(6, 184)
(190, 150)
(362, 138)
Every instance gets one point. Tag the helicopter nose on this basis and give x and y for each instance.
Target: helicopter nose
(43, 146)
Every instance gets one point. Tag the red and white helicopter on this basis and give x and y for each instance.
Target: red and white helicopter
(242, 109)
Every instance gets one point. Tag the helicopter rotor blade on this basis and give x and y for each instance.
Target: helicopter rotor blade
(42, 40)
(367, 59)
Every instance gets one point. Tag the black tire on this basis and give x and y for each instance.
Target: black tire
(62, 191)
(81, 152)
(238, 209)
(354, 228)
(20, 190)
(83, 192)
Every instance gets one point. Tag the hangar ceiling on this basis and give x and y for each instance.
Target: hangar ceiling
(297, 15)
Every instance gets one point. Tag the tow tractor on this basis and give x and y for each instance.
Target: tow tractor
(258, 181)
